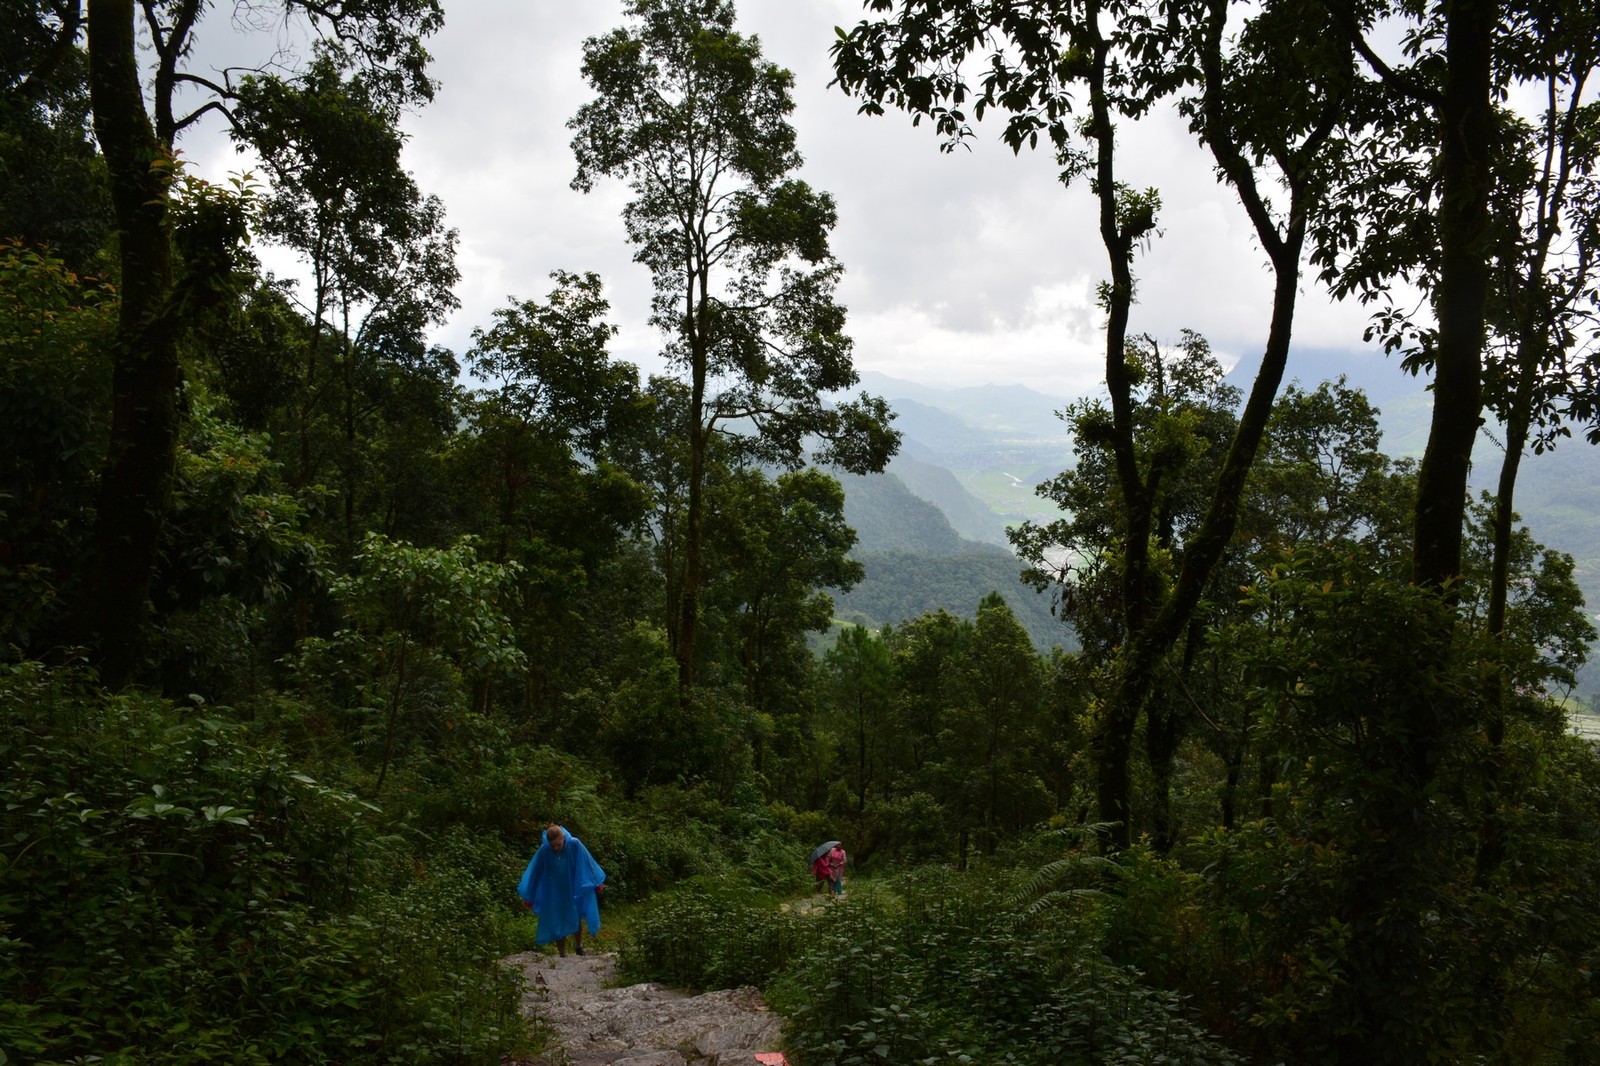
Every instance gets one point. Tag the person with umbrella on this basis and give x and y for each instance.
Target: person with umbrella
(827, 866)
(560, 885)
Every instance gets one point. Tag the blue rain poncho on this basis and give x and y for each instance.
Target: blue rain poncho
(560, 887)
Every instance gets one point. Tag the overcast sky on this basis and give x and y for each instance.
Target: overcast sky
(964, 268)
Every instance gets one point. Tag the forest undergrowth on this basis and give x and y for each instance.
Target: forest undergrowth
(188, 884)
(309, 625)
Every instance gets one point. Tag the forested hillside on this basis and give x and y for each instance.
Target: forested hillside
(914, 562)
(316, 628)
(976, 431)
(966, 513)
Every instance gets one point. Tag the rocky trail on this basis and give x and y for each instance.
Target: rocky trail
(594, 1023)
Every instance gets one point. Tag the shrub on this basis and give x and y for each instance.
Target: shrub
(708, 935)
(441, 941)
(170, 893)
(889, 976)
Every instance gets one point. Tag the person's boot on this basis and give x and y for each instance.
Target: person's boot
(561, 946)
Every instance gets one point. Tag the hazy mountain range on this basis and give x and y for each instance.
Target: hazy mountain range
(932, 527)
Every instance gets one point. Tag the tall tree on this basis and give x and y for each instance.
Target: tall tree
(1458, 195)
(54, 184)
(1433, 150)
(1184, 418)
(534, 464)
(696, 122)
(1118, 59)
(856, 682)
(137, 478)
(137, 142)
(379, 258)
(1540, 372)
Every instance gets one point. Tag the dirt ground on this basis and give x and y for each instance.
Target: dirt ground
(638, 1025)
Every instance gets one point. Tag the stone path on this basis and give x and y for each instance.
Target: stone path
(639, 1025)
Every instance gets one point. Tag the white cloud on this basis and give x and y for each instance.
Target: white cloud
(962, 268)
(1054, 344)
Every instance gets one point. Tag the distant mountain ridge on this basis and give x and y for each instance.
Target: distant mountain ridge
(1557, 493)
(926, 539)
(916, 561)
(1005, 411)
(888, 516)
(973, 455)
(967, 514)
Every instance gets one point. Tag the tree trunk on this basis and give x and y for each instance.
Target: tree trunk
(696, 339)
(1388, 946)
(861, 749)
(1466, 122)
(1112, 739)
(689, 596)
(1266, 783)
(1234, 764)
(1491, 843)
(392, 719)
(136, 480)
(1162, 729)
(1146, 643)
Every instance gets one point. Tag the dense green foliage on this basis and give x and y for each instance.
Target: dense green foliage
(713, 934)
(902, 585)
(176, 891)
(304, 637)
(928, 967)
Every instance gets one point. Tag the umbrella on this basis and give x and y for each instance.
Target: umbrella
(820, 850)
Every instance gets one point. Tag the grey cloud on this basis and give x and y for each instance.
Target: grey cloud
(945, 255)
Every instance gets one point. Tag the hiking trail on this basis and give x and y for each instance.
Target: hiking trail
(595, 1024)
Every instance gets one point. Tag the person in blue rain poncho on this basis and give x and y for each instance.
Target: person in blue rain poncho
(561, 885)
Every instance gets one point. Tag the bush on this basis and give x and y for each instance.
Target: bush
(443, 937)
(670, 835)
(889, 974)
(170, 893)
(708, 935)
